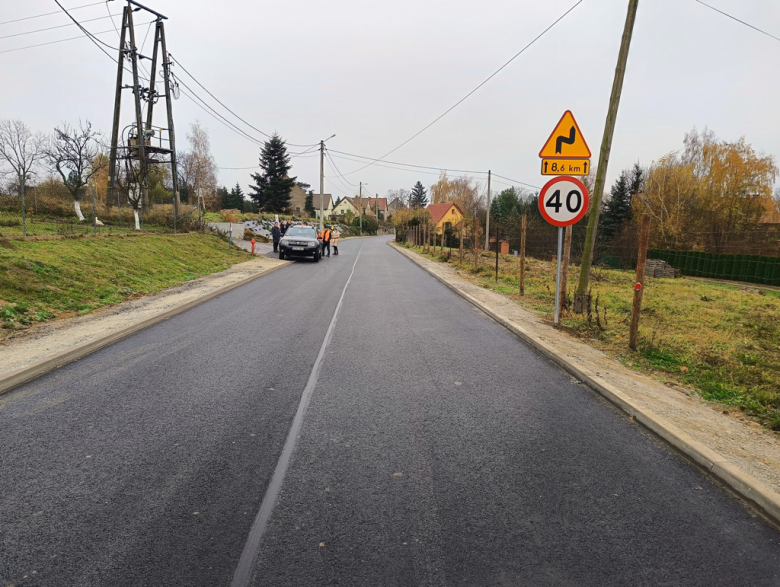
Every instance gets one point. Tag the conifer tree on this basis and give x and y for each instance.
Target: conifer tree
(617, 210)
(309, 204)
(419, 197)
(237, 197)
(271, 190)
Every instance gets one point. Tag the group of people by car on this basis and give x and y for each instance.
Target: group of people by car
(327, 237)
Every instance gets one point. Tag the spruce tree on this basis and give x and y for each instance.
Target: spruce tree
(419, 197)
(617, 210)
(223, 197)
(271, 190)
(309, 204)
(236, 197)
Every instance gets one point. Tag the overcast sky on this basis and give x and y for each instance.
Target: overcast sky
(375, 73)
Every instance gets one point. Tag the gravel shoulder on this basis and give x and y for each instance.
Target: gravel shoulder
(745, 444)
(39, 343)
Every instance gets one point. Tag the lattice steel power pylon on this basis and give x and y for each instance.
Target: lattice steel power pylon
(139, 148)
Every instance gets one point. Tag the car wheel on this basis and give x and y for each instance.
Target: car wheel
(281, 256)
(316, 257)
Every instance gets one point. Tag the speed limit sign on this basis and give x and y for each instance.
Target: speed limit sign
(563, 201)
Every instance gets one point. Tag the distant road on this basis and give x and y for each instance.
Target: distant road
(436, 449)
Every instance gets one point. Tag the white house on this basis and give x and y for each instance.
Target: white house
(345, 205)
(327, 206)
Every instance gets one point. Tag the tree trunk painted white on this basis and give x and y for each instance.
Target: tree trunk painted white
(77, 205)
(137, 223)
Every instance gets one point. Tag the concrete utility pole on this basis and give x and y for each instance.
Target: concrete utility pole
(580, 294)
(322, 178)
(360, 207)
(487, 217)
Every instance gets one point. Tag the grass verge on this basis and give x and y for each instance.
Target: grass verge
(42, 280)
(721, 340)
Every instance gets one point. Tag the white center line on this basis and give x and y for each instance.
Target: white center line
(243, 572)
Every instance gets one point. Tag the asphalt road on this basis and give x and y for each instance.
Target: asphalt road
(436, 449)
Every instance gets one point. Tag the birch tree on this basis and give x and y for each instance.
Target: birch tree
(21, 149)
(74, 153)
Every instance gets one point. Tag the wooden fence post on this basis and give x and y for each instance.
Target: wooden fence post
(565, 266)
(476, 244)
(644, 239)
(462, 222)
(522, 255)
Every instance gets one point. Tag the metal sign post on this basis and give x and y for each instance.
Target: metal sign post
(558, 277)
(563, 201)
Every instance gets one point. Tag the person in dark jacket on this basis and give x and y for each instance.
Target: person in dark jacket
(276, 234)
(285, 225)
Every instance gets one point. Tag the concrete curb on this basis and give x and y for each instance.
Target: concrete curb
(740, 482)
(25, 374)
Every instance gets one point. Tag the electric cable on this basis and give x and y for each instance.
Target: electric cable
(739, 21)
(530, 185)
(51, 28)
(459, 102)
(412, 165)
(49, 13)
(60, 41)
(86, 32)
(338, 177)
(228, 109)
(437, 173)
(338, 170)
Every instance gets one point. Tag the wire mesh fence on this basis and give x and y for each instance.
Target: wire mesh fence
(751, 255)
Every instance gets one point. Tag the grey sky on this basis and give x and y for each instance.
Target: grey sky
(375, 73)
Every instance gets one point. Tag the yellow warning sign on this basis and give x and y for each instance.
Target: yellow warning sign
(566, 141)
(565, 166)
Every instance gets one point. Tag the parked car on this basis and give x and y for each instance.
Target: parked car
(300, 241)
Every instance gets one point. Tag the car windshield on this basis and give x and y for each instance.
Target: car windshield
(301, 231)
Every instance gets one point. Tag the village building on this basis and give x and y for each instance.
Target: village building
(344, 205)
(297, 205)
(445, 216)
(327, 206)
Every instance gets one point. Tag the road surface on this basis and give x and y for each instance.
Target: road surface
(432, 448)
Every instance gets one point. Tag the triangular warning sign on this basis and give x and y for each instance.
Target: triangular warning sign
(566, 141)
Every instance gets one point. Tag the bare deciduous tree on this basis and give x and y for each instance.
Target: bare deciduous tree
(197, 168)
(75, 154)
(22, 150)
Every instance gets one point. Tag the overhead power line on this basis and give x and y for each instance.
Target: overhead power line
(463, 99)
(228, 109)
(338, 171)
(92, 38)
(51, 28)
(739, 21)
(411, 165)
(49, 13)
(62, 41)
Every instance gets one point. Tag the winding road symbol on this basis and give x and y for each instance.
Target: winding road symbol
(562, 139)
(567, 132)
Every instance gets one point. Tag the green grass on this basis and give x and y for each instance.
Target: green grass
(721, 340)
(41, 280)
(44, 225)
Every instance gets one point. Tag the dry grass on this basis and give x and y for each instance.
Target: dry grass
(722, 340)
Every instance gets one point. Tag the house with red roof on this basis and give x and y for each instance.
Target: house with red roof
(444, 214)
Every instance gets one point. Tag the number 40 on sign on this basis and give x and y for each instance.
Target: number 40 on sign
(563, 201)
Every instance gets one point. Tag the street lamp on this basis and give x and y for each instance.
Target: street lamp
(322, 176)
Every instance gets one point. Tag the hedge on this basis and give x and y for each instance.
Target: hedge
(750, 268)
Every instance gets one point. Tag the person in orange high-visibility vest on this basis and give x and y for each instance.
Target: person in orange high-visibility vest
(325, 240)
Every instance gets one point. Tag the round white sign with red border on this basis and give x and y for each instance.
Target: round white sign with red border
(564, 201)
